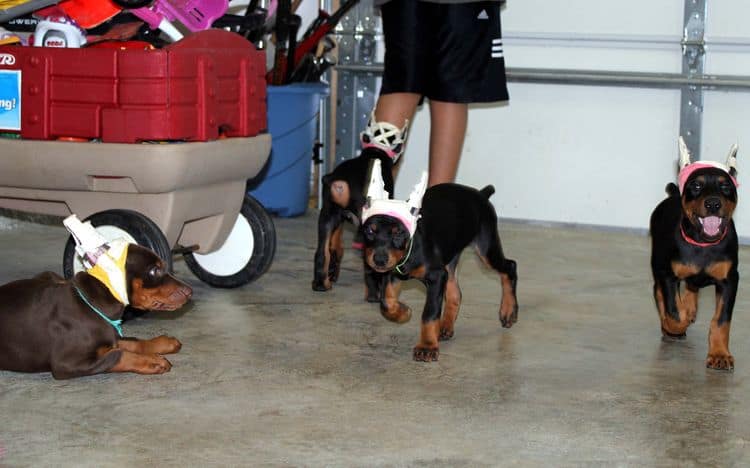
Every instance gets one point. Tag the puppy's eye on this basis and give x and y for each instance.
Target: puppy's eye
(726, 189)
(696, 187)
(399, 240)
(155, 272)
(370, 231)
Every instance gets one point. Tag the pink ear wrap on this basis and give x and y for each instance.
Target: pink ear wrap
(690, 168)
(408, 222)
(391, 154)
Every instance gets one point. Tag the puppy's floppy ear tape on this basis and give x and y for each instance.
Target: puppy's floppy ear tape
(376, 188)
(732, 160)
(684, 154)
(731, 163)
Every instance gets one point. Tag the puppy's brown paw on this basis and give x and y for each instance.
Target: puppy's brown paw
(445, 334)
(322, 286)
(508, 315)
(401, 313)
(424, 354)
(720, 361)
(156, 364)
(165, 345)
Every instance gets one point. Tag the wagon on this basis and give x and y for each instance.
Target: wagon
(175, 198)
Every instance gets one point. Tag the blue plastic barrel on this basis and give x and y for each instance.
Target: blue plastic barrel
(283, 185)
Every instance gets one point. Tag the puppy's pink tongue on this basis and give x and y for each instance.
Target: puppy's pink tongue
(711, 225)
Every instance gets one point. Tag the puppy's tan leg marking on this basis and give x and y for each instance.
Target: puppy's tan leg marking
(327, 263)
(160, 345)
(508, 306)
(686, 310)
(428, 348)
(690, 303)
(719, 356)
(452, 304)
(334, 255)
(138, 363)
(391, 308)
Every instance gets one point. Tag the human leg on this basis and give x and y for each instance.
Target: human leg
(448, 122)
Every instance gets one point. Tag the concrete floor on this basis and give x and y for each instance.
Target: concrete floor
(274, 374)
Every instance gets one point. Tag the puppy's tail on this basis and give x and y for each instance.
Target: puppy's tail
(487, 191)
(672, 190)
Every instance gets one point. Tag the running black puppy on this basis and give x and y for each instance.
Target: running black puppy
(343, 196)
(452, 217)
(694, 240)
(342, 199)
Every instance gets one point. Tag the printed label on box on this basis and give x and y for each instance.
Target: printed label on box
(10, 99)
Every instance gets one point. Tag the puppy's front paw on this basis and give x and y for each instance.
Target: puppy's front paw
(720, 361)
(165, 345)
(445, 334)
(334, 267)
(400, 313)
(156, 364)
(321, 285)
(425, 354)
(508, 314)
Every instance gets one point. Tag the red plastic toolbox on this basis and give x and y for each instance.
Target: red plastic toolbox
(209, 84)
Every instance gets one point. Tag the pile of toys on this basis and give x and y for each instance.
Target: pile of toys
(153, 70)
(123, 23)
(152, 24)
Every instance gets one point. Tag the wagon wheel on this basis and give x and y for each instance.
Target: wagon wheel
(245, 255)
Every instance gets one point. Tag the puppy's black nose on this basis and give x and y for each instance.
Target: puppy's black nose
(380, 258)
(712, 204)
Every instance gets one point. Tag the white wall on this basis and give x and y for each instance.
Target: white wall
(596, 155)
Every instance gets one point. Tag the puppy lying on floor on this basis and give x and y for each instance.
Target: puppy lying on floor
(72, 328)
(693, 239)
(423, 238)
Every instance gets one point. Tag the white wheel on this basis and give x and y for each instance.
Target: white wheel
(234, 255)
(245, 255)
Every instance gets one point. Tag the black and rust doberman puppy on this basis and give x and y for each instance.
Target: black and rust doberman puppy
(343, 196)
(50, 324)
(342, 200)
(452, 217)
(694, 240)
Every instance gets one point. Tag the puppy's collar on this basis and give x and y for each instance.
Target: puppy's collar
(405, 259)
(692, 241)
(116, 324)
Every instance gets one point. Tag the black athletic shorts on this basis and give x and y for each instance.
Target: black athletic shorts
(445, 52)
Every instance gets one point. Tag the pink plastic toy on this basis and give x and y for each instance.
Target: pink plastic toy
(196, 15)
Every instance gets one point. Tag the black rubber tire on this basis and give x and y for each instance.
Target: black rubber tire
(145, 232)
(264, 248)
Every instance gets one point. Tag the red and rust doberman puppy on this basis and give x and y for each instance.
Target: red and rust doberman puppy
(50, 324)
(694, 240)
(451, 218)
